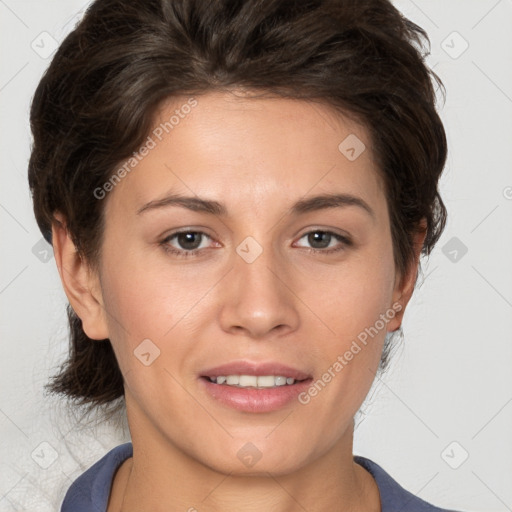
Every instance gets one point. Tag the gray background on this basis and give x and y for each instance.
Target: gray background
(440, 421)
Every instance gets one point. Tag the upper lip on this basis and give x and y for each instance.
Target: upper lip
(255, 368)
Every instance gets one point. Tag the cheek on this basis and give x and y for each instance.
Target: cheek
(146, 296)
(357, 310)
(141, 304)
(352, 296)
(354, 303)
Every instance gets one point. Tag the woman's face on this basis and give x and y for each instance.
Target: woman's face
(268, 282)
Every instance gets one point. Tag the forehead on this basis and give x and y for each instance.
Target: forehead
(251, 150)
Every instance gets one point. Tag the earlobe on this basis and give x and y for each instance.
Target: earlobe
(81, 284)
(404, 285)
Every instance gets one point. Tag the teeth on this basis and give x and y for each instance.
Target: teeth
(267, 381)
(233, 380)
(248, 380)
(253, 381)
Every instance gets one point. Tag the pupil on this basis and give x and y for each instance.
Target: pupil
(318, 236)
(185, 239)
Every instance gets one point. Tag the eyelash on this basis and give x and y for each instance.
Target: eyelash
(345, 241)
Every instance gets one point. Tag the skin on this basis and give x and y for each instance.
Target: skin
(291, 305)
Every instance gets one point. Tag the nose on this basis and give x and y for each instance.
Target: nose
(258, 299)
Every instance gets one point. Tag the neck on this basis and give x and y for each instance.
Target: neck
(178, 483)
(163, 476)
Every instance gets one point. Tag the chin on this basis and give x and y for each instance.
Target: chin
(246, 458)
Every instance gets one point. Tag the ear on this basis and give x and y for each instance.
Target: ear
(404, 284)
(81, 284)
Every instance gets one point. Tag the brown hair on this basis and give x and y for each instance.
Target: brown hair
(95, 104)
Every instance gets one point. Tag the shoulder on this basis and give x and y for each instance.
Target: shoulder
(91, 490)
(393, 496)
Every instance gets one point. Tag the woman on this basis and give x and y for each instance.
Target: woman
(238, 195)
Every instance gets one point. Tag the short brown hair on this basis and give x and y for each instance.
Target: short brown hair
(95, 104)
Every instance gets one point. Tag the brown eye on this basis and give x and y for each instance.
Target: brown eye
(326, 241)
(319, 239)
(190, 240)
(185, 243)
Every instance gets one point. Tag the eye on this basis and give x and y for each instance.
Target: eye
(189, 243)
(326, 241)
(185, 243)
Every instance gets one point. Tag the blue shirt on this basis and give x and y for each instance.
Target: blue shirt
(91, 490)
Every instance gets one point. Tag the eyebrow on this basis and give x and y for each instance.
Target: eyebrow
(315, 203)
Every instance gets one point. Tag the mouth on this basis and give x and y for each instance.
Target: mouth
(254, 387)
(254, 381)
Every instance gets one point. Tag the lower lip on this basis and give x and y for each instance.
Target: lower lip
(252, 399)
